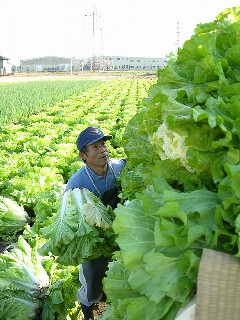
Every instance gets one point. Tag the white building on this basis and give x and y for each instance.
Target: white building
(117, 63)
(49, 64)
(133, 63)
(5, 66)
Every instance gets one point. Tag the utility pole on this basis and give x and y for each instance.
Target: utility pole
(92, 66)
(177, 38)
(93, 60)
(93, 44)
(71, 68)
(102, 59)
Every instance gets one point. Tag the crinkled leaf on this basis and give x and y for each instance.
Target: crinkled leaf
(79, 230)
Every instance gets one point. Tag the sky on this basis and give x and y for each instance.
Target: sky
(83, 28)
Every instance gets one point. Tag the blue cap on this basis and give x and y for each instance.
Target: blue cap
(89, 136)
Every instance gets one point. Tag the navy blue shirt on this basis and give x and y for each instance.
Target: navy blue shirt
(103, 183)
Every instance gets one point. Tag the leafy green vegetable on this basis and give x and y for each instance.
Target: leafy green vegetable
(18, 305)
(61, 303)
(36, 188)
(13, 218)
(80, 230)
(23, 282)
(36, 287)
(182, 176)
(29, 275)
(161, 248)
(94, 211)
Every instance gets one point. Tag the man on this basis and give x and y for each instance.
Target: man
(99, 176)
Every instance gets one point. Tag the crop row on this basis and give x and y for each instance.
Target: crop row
(38, 154)
(24, 98)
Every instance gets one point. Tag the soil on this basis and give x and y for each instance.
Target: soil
(98, 309)
(94, 75)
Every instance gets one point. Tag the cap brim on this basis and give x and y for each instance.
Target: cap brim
(105, 138)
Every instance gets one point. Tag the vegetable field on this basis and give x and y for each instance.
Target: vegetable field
(21, 99)
(38, 155)
(181, 138)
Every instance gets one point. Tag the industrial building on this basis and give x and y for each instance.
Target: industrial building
(63, 64)
(133, 63)
(47, 64)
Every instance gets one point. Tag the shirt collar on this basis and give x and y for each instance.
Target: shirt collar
(95, 176)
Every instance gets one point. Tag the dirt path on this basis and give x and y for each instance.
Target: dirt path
(97, 75)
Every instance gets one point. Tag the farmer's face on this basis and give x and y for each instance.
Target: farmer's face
(96, 154)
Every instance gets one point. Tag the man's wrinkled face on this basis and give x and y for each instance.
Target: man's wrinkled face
(95, 154)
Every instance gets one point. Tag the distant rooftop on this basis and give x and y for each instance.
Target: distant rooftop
(3, 58)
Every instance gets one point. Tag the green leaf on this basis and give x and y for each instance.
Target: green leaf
(134, 239)
(73, 234)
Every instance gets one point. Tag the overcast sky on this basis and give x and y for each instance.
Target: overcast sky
(80, 28)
